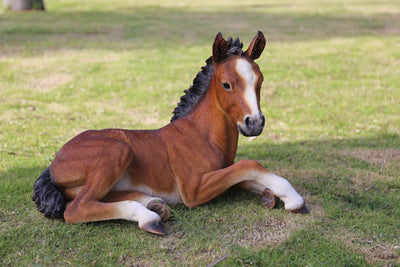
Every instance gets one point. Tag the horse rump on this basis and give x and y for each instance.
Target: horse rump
(48, 198)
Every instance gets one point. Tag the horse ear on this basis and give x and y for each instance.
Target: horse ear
(256, 46)
(219, 48)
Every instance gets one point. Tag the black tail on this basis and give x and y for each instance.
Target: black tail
(48, 198)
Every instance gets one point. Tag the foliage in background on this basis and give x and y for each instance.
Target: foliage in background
(331, 99)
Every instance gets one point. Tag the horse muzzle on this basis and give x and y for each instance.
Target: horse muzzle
(252, 125)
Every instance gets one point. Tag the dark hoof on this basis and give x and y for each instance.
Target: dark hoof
(302, 210)
(154, 227)
(160, 208)
(269, 200)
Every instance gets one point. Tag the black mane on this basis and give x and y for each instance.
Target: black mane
(195, 93)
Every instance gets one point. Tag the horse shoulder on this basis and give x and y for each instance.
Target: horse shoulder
(190, 154)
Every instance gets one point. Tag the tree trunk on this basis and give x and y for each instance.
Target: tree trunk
(23, 4)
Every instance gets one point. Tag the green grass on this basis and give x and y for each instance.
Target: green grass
(331, 98)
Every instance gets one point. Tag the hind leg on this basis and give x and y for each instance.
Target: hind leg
(88, 169)
(94, 202)
(155, 204)
(132, 206)
(128, 210)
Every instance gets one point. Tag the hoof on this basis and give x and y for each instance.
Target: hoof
(154, 227)
(302, 210)
(160, 208)
(269, 200)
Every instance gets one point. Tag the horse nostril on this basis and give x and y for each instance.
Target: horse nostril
(262, 124)
(248, 122)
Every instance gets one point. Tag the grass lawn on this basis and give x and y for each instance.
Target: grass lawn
(331, 98)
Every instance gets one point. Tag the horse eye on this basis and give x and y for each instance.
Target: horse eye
(226, 86)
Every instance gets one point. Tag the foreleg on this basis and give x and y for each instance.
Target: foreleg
(272, 188)
(249, 174)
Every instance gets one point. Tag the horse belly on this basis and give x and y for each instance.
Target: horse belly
(150, 171)
(127, 183)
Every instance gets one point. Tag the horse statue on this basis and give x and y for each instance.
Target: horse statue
(133, 174)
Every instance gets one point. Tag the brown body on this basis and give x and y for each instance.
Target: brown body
(115, 173)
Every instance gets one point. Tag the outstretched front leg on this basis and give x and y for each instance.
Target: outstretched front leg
(250, 175)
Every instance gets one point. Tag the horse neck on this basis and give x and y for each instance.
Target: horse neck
(217, 126)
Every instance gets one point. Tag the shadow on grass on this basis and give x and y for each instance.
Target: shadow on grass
(319, 167)
(360, 172)
(146, 26)
(340, 164)
(324, 171)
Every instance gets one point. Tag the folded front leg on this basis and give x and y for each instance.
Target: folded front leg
(250, 175)
(270, 185)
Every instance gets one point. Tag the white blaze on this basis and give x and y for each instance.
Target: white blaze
(246, 72)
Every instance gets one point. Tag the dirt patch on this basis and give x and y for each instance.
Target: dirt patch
(50, 82)
(274, 231)
(379, 254)
(269, 232)
(383, 158)
(376, 253)
(365, 180)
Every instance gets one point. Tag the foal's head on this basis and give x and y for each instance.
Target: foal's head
(238, 82)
